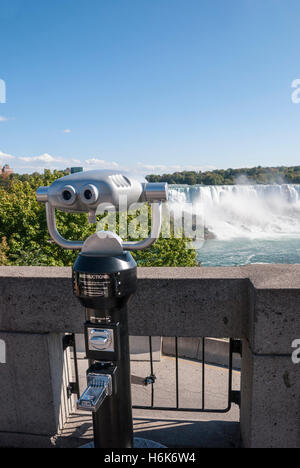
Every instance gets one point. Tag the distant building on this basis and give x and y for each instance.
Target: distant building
(76, 169)
(6, 170)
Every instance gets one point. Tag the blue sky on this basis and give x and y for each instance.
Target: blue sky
(149, 85)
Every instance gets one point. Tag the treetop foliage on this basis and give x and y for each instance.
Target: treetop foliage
(254, 175)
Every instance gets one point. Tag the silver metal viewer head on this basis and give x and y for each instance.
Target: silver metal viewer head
(83, 192)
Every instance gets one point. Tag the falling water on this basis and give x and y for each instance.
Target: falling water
(246, 223)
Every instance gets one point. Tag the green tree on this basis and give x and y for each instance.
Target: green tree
(4, 249)
(167, 253)
(257, 175)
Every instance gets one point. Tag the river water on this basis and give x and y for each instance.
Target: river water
(245, 223)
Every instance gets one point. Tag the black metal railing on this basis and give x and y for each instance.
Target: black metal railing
(69, 341)
(233, 396)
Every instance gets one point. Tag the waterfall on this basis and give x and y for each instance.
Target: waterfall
(243, 211)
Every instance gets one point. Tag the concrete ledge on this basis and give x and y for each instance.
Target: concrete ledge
(274, 320)
(245, 302)
(196, 301)
(218, 302)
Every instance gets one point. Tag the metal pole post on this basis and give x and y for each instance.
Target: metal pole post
(112, 422)
(104, 286)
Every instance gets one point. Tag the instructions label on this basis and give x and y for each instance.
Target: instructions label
(93, 285)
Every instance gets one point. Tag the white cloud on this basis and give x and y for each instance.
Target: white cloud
(67, 130)
(168, 169)
(6, 156)
(94, 162)
(38, 163)
(47, 158)
(75, 161)
(3, 119)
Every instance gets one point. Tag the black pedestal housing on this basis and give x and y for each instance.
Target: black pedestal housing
(104, 285)
(104, 282)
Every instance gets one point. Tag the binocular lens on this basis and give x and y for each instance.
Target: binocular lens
(88, 194)
(67, 195)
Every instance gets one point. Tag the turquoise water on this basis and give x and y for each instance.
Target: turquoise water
(247, 251)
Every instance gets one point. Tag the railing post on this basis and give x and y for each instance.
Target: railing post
(270, 409)
(34, 405)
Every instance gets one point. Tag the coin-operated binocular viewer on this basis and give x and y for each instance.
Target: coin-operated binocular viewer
(104, 279)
